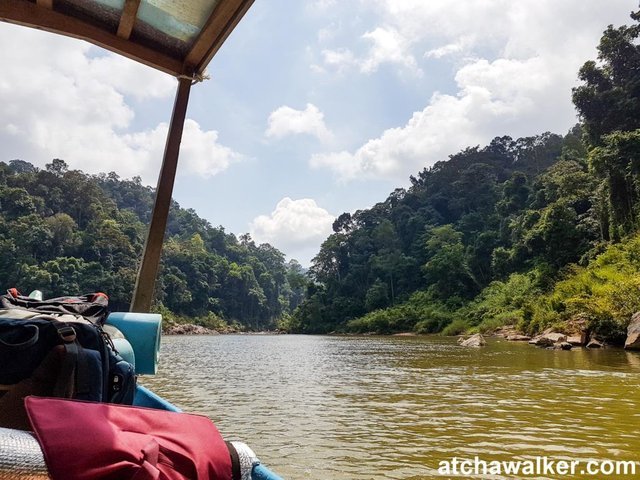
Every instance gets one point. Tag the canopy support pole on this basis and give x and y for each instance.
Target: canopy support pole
(145, 282)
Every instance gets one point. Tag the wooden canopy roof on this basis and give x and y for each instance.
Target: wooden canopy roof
(178, 37)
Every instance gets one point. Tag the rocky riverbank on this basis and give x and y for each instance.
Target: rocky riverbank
(189, 329)
(192, 329)
(572, 334)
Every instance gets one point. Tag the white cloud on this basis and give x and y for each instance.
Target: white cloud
(515, 65)
(288, 121)
(200, 152)
(338, 60)
(389, 46)
(61, 100)
(130, 78)
(456, 47)
(505, 96)
(297, 227)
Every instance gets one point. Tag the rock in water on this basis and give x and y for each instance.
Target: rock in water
(595, 343)
(577, 340)
(518, 338)
(476, 340)
(189, 329)
(633, 333)
(548, 339)
(542, 341)
(556, 337)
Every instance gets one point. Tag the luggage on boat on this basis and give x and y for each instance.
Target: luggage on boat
(57, 348)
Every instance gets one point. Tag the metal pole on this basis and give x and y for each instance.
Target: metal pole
(145, 282)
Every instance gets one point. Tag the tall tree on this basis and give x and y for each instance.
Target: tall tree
(609, 98)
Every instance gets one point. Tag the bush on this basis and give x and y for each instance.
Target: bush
(457, 327)
(433, 321)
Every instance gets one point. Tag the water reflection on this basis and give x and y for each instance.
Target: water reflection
(393, 407)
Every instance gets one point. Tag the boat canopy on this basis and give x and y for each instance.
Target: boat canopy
(178, 37)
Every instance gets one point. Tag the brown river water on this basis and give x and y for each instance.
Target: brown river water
(329, 407)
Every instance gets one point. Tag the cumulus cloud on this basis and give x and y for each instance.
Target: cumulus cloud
(337, 60)
(200, 152)
(297, 227)
(535, 46)
(454, 48)
(64, 98)
(389, 46)
(289, 121)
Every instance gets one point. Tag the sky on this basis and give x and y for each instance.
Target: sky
(313, 108)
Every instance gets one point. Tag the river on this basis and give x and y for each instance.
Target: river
(351, 408)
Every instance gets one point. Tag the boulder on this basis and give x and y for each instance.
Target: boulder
(556, 337)
(577, 340)
(564, 345)
(594, 343)
(542, 341)
(633, 333)
(506, 331)
(476, 340)
(518, 338)
(189, 329)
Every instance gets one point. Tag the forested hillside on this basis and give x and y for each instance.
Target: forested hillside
(66, 232)
(509, 233)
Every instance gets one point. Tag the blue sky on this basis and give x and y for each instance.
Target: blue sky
(313, 108)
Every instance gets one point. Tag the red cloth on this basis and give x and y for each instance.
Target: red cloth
(99, 441)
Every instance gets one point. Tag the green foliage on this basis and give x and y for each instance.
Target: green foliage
(501, 303)
(446, 235)
(65, 232)
(609, 97)
(457, 327)
(618, 161)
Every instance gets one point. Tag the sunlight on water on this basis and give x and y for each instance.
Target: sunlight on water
(355, 408)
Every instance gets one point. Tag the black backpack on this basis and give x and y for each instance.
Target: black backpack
(58, 348)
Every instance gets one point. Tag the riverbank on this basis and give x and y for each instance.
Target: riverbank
(575, 334)
(193, 329)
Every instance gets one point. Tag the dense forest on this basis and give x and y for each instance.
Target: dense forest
(66, 232)
(530, 232)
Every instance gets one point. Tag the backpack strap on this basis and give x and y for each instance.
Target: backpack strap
(65, 383)
(74, 375)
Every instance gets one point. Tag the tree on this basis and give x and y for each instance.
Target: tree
(447, 270)
(297, 281)
(617, 159)
(21, 167)
(609, 98)
(63, 230)
(57, 167)
(16, 202)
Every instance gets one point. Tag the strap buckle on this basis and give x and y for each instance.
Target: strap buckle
(67, 333)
